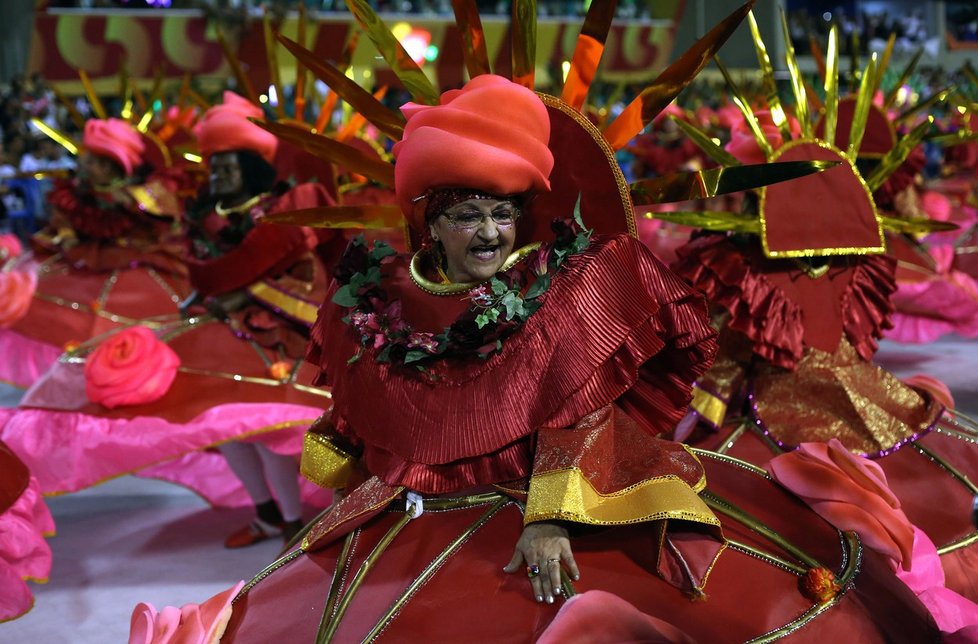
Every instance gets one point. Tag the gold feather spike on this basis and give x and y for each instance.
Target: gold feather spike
(365, 217)
(926, 104)
(334, 151)
(473, 37)
(58, 136)
(139, 96)
(955, 138)
(797, 80)
(93, 98)
(654, 98)
(705, 143)
(898, 154)
(741, 102)
(386, 120)
(125, 91)
(703, 184)
(864, 101)
(769, 85)
(885, 60)
(832, 85)
(244, 83)
(400, 61)
(523, 28)
(357, 121)
(904, 75)
(271, 55)
(916, 225)
(710, 220)
(588, 51)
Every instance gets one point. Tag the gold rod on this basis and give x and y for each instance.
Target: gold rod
(342, 562)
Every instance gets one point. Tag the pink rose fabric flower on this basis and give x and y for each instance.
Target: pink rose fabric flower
(851, 493)
(744, 146)
(599, 616)
(189, 624)
(16, 292)
(10, 246)
(131, 367)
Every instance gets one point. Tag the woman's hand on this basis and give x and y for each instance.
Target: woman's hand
(544, 545)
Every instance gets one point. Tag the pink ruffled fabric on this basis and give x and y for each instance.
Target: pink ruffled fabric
(933, 386)
(955, 615)
(599, 617)
(946, 302)
(10, 246)
(24, 554)
(24, 359)
(69, 451)
(189, 624)
(851, 493)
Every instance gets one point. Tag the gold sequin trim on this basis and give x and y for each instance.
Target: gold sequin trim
(324, 463)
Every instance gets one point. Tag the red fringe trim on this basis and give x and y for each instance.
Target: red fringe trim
(757, 308)
(867, 305)
(614, 320)
(772, 322)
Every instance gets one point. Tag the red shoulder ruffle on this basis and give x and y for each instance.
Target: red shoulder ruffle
(757, 308)
(867, 305)
(610, 310)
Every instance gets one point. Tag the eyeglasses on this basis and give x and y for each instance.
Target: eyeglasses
(470, 219)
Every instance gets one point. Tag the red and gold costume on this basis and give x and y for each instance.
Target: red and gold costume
(443, 464)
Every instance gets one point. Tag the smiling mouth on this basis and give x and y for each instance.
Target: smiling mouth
(485, 252)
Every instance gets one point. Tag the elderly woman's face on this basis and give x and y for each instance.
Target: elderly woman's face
(477, 236)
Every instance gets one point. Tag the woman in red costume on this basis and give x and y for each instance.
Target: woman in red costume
(801, 290)
(148, 400)
(111, 254)
(518, 367)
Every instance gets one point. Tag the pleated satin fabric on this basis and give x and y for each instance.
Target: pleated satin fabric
(615, 321)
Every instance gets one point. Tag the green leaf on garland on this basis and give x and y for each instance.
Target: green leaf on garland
(484, 319)
(497, 285)
(356, 356)
(346, 296)
(385, 354)
(577, 213)
(538, 288)
(514, 305)
(381, 250)
(414, 356)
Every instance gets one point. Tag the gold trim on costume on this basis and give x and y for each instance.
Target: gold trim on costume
(455, 288)
(324, 463)
(810, 252)
(568, 496)
(624, 192)
(244, 207)
(709, 406)
(293, 306)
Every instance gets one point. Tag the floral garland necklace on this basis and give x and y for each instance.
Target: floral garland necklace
(497, 307)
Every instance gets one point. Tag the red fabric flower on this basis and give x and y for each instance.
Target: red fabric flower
(131, 367)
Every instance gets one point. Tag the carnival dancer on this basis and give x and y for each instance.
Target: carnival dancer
(800, 287)
(111, 254)
(229, 374)
(520, 365)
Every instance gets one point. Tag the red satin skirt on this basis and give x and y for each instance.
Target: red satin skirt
(440, 579)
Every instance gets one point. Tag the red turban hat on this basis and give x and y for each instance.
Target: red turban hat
(489, 136)
(226, 128)
(116, 139)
